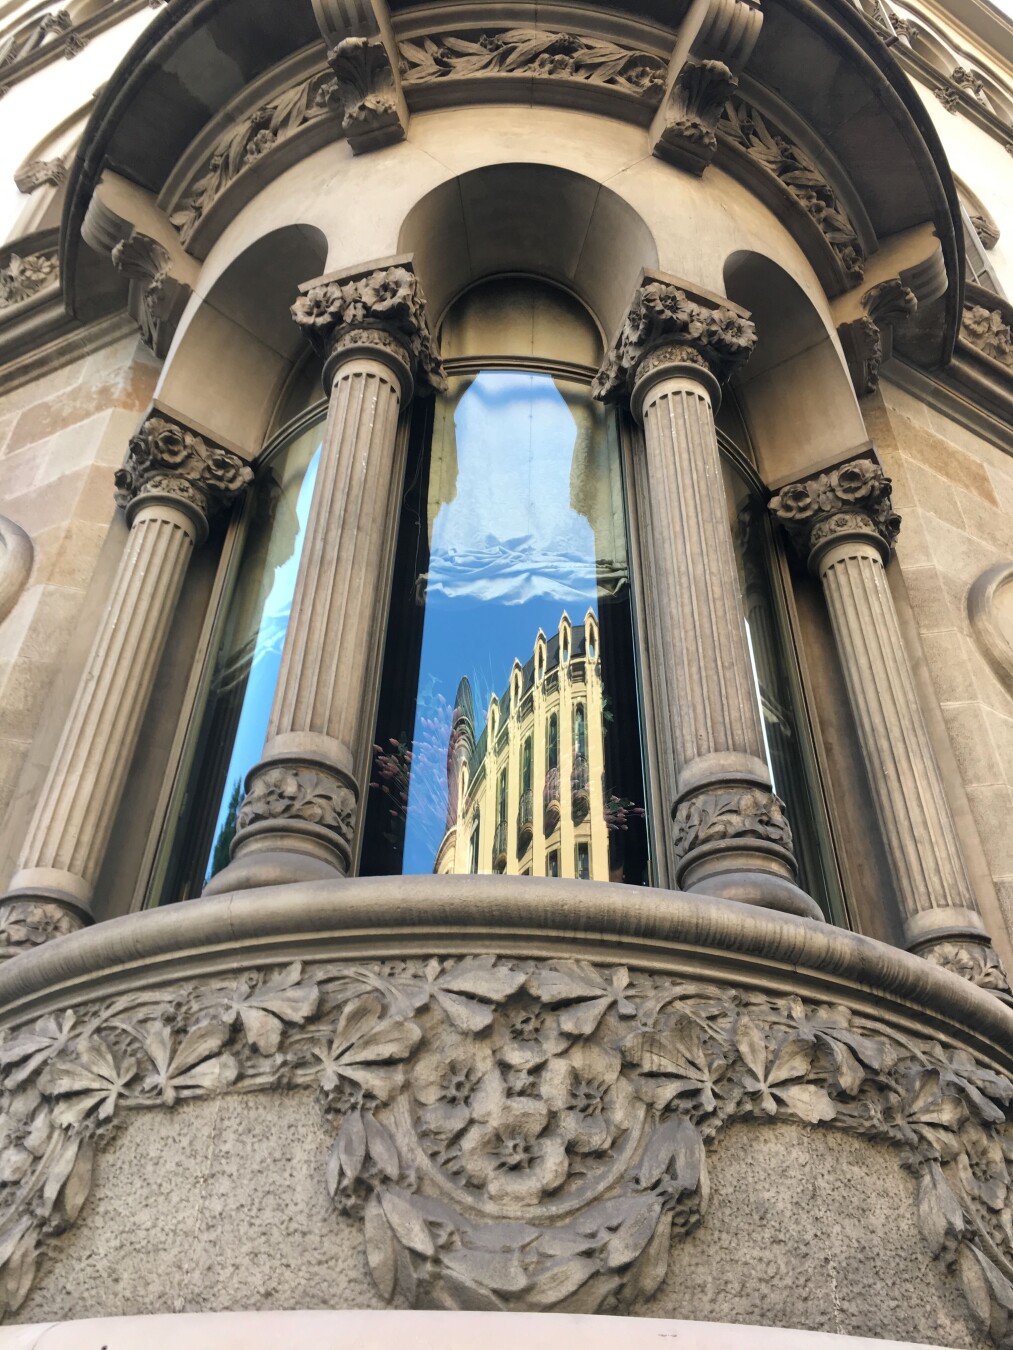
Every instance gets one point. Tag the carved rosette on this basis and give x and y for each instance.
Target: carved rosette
(513, 1134)
(384, 309)
(739, 813)
(280, 796)
(987, 330)
(366, 86)
(663, 328)
(166, 460)
(851, 499)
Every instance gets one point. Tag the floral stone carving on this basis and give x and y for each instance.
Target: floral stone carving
(698, 96)
(854, 496)
(382, 307)
(21, 278)
(366, 86)
(534, 52)
(986, 329)
(252, 138)
(800, 175)
(160, 298)
(714, 817)
(294, 792)
(513, 1134)
(165, 459)
(662, 317)
(973, 961)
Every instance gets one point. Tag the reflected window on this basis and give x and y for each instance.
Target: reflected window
(231, 731)
(513, 527)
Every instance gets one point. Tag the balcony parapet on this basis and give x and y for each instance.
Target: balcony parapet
(409, 1034)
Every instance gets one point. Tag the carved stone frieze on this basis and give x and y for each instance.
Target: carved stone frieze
(700, 92)
(21, 278)
(366, 86)
(973, 961)
(663, 327)
(165, 459)
(533, 53)
(250, 139)
(800, 175)
(160, 298)
(739, 813)
(298, 792)
(987, 330)
(856, 496)
(384, 308)
(513, 1134)
(40, 173)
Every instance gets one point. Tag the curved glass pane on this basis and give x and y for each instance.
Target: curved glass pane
(508, 733)
(786, 735)
(234, 723)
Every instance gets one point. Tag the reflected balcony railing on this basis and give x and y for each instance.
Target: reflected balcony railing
(580, 797)
(525, 820)
(550, 799)
(499, 848)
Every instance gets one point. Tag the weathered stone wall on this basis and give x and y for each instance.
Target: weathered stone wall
(61, 437)
(955, 494)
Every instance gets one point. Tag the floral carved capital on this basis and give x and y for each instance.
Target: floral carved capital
(166, 459)
(381, 307)
(712, 817)
(853, 498)
(513, 1134)
(663, 317)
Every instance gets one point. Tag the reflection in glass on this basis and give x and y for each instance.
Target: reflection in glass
(786, 736)
(508, 680)
(234, 724)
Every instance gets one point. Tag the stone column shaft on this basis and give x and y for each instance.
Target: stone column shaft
(730, 835)
(171, 481)
(301, 810)
(843, 521)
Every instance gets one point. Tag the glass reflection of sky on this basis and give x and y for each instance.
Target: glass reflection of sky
(508, 555)
(253, 719)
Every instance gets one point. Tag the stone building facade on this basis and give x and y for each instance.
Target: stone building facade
(345, 345)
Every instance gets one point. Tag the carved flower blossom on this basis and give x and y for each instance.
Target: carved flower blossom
(530, 1035)
(730, 332)
(668, 307)
(517, 1157)
(794, 502)
(319, 307)
(445, 1082)
(594, 1102)
(168, 444)
(225, 472)
(258, 145)
(859, 479)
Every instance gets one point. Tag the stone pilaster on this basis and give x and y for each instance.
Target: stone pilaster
(300, 813)
(730, 835)
(172, 479)
(843, 523)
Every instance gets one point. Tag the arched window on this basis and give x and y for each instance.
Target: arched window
(513, 519)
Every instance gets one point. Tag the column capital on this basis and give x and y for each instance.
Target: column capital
(668, 329)
(167, 461)
(851, 500)
(378, 310)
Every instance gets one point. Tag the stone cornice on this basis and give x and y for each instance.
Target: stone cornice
(166, 460)
(667, 326)
(379, 306)
(850, 499)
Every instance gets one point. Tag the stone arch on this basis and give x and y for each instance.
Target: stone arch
(533, 218)
(796, 351)
(236, 350)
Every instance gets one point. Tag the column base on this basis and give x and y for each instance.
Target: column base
(763, 889)
(271, 866)
(27, 921)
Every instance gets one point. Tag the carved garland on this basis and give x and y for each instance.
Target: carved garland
(514, 1134)
(791, 166)
(534, 53)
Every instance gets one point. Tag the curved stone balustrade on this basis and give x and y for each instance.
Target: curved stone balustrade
(491, 1093)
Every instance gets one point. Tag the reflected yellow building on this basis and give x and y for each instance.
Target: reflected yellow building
(528, 797)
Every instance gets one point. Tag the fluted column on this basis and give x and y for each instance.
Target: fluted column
(171, 481)
(843, 523)
(730, 835)
(298, 819)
